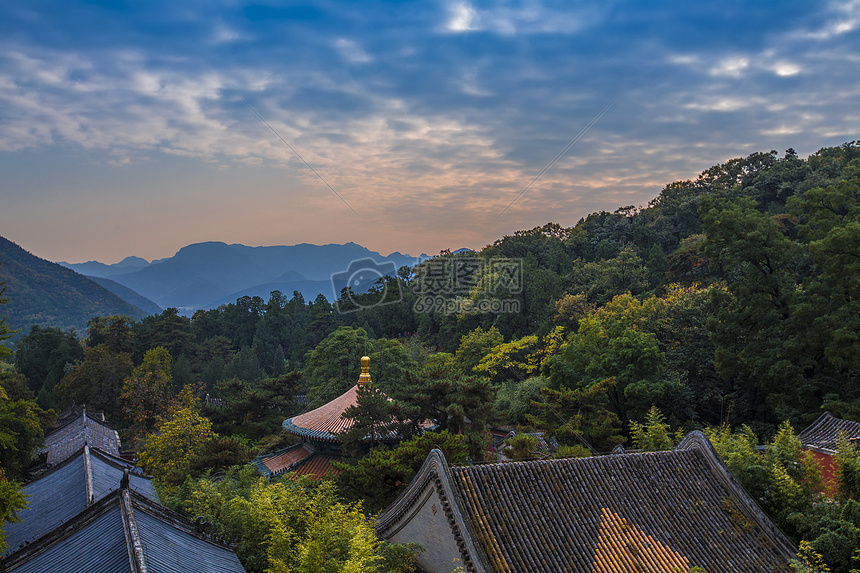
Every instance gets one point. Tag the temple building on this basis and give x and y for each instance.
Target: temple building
(821, 439)
(319, 431)
(74, 428)
(90, 510)
(126, 532)
(652, 512)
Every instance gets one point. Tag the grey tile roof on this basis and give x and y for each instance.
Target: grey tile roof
(62, 492)
(662, 510)
(107, 473)
(54, 498)
(172, 550)
(67, 439)
(823, 433)
(99, 546)
(122, 530)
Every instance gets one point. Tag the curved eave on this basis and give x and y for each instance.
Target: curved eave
(307, 433)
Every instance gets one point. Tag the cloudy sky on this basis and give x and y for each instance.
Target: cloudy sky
(135, 128)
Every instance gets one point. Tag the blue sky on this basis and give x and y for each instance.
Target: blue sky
(129, 128)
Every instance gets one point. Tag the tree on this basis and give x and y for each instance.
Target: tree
(786, 325)
(115, 332)
(514, 399)
(848, 457)
(653, 435)
(254, 409)
(784, 481)
(378, 477)
(98, 380)
(578, 416)
(16, 446)
(521, 358)
(168, 453)
(450, 400)
(295, 526)
(521, 446)
(146, 393)
(5, 332)
(615, 342)
(22, 425)
(43, 355)
(333, 366)
(245, 366)
(474, 347)
(12, 500)
(169, 330)
(374, 421)
(686, 341)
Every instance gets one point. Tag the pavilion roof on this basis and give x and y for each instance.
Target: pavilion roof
(327, 421)
(824, 432)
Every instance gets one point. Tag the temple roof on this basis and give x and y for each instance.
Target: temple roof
(316, 466)
(658, 511)
(326, 422)
(68, 488)
(79, 429)
(824, 432)
(125, 532)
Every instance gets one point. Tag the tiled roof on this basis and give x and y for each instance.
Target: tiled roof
(300, 459)
(282, 460)
(823, 432)
(317, 466)
(125, 532)
(660, 511)
(59, 494)
(66, 440)
(326, 422)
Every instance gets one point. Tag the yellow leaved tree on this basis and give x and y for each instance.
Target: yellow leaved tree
(168, 453)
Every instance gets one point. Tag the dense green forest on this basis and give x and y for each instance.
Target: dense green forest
(48, 294)
(731, 303)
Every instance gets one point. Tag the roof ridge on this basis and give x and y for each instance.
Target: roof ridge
(177, 520)
(436, 469)
(75, 419)
(52, 469)
(697, 441)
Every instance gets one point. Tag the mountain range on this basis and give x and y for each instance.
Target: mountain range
(45, 293)
(206, 275)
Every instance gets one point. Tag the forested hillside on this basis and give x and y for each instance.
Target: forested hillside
(45, 293)
(730, 303)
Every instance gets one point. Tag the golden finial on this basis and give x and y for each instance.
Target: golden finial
(364, 377)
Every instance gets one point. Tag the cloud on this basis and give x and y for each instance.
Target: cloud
(732, 66)
(844, 18)
(352, 51)
(462, 17)
(431, 117)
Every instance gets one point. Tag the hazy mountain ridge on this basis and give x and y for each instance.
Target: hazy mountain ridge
(49, 294)
(205, 275)
(128, 295)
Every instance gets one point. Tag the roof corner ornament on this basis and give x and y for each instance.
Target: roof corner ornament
(364, 377)
(123, 483)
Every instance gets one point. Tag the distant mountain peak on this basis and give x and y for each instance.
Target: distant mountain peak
(201, 274)
(132, 261)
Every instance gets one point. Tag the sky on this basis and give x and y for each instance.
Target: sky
(136, 128)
